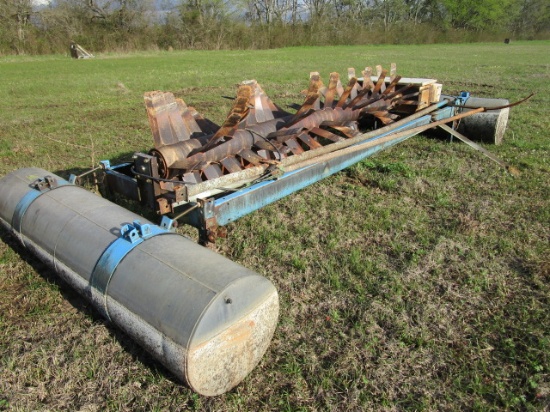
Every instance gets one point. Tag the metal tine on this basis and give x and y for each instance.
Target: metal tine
(379, 97)
(381, 111)
(272, 145)
(392, 85)
(189, 121)
(165, 119)
(266, 154)
(357, 87)
(312, 97)
(379, 71)
(315, 83)
(251, 157)
(331, 92)
(292, 134)
(383, 116)
(318, 105)
(262, 108)
(212, 171)
(371, 100)
(150, 99)
(321, 89)
(240, 109)
(399, 91)
(339, 87)
(277, 111)
(283, 133)
(349, 132)
(349, 89)
(294, 146)
(362, 93)
(295, 133)
(257, 159)
(255, 110)
(271, 110)
(309, 141)
(192, 177)
(170, 123)
(393, 71)
(284, 150)
(367, 81)
(205, 124)
(381, 81)
(306, 109)
(326, 134)
(231, 164)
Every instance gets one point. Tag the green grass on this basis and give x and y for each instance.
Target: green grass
(415, 280)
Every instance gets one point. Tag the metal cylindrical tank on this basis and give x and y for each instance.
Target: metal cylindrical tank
(206, 318)
(488, 126)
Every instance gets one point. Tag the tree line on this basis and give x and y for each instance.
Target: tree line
(42, 26)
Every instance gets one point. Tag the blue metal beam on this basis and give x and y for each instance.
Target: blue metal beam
(231, 207)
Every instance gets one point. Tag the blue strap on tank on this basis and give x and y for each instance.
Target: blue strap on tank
(41, 186)
(131, 235)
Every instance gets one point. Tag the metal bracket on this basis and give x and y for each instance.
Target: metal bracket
(136, 231)
(41, 186)
(167, 224)
(146, 174)
(45, 183)
(460, 100)
(131, 235)
(208, 230)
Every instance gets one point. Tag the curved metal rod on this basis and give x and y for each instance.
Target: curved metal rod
(487, 109)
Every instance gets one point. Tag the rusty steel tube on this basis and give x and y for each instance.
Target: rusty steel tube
(206, 318)
(257, 171)
(243, 139)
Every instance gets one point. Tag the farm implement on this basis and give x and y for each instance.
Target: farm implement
(207, 319)
(207, 175)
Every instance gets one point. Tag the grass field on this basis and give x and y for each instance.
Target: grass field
(418, 279)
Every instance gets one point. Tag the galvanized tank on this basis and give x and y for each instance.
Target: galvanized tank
(206, 318)
(488, 126)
